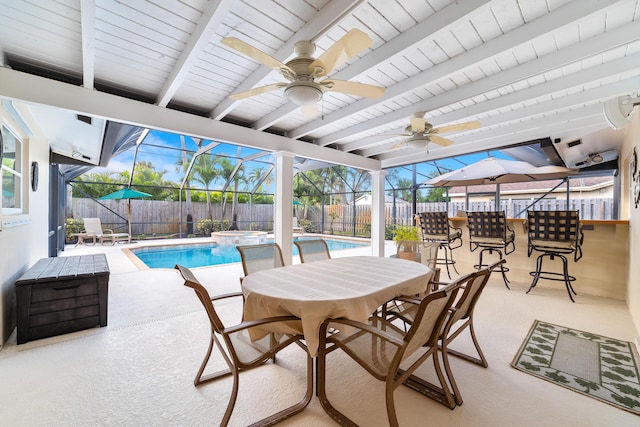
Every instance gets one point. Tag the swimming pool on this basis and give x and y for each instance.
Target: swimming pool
(203, 254)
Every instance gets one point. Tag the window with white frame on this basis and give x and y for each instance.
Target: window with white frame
(12, 172)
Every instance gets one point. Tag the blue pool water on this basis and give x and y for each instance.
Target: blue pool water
(200, 255)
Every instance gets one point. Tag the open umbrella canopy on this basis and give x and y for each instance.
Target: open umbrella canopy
(499, 171)
(125, 193)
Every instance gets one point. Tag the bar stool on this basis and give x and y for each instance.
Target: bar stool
(555, 234)
(489, 232)
(436, 227)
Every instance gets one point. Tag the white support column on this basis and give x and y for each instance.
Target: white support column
(283, 218)
(377, 212)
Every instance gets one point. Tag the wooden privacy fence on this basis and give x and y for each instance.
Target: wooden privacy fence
(163, 217)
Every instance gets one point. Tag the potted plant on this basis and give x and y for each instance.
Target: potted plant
(408, 241)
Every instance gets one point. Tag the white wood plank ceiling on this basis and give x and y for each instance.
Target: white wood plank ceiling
(525, 69)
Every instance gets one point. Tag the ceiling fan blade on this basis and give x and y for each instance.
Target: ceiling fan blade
(417, 124)
(256, 91)
(255, 53)
(400, 144)
(440, 140)
(310, 111)
(460, 126)
(351, 44)
(389, 135)
(353, 88)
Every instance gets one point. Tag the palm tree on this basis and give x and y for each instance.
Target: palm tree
(404, 188)
(225, 171)
(181, 166)
(238, 177)
(205, 172)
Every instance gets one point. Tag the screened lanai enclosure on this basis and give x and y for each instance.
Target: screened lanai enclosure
(198, 186)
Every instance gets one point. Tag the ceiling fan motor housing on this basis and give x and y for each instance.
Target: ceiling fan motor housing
(302, 90)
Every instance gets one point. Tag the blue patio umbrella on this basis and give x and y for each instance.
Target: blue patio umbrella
(126, 193)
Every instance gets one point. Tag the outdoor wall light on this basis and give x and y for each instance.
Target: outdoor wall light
(596, 158)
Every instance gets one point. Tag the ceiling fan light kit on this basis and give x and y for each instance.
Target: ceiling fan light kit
(419, 142)
(303, 93)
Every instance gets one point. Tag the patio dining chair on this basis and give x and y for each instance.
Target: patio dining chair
(460, 318)
(312, 250)
(241, 353)
(260, 257)
(381, 348)
(427, 255)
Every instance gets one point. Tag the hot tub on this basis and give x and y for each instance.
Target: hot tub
(239, 237)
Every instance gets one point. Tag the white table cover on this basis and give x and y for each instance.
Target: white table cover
(350, 287)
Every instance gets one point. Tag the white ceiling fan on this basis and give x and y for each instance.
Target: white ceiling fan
(304, 72)
(420, 132)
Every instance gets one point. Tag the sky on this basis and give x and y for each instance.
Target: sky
(162, 149)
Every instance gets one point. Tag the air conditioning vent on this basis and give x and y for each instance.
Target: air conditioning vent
(86, 119)
(574, 143)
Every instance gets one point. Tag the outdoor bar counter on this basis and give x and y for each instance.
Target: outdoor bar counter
(602, 271)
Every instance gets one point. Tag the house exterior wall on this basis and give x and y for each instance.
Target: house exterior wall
(628, 210)
(22, 245)
(604, 191)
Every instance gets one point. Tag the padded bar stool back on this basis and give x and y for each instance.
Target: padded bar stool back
(489, 232)
(554, 234)
(436, 227)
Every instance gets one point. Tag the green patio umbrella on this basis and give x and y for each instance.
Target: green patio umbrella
(126, 193)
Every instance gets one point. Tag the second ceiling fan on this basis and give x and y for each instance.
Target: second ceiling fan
(304, 73)
(420, 132)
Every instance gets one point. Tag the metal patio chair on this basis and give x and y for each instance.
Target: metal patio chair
(380, 348)
(436, 227)
(260, 257)
(489, 232)
(460, 318)
(241, 353)
(554, 234)
(312, 250)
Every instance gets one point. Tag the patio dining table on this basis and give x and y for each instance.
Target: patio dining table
(349, 287)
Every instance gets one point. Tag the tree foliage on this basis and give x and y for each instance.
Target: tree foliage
(145, 178)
